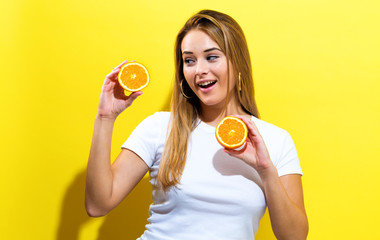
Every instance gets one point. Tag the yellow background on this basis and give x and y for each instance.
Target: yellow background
(317, 74)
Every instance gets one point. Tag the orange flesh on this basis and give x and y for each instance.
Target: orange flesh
(133, 76)
(231, 132)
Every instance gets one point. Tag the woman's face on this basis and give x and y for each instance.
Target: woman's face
(205, 69)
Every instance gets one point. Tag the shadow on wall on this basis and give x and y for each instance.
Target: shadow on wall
(73, 214)
(126, 221)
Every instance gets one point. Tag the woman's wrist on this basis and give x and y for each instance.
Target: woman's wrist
(107, 118)
(268, 173)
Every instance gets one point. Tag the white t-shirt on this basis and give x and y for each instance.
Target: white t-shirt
(220, 197)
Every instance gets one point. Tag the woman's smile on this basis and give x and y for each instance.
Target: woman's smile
(206, 85)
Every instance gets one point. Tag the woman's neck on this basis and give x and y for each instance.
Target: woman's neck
(213, 114)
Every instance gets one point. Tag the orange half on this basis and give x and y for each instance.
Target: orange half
(231, 132)
(133, 76)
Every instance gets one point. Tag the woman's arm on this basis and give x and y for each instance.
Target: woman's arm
(284, 195)
(107, 185)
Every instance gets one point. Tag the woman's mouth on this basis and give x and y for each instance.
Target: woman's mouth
(206, 84)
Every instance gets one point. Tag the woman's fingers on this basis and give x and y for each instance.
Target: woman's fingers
(121, 64)
(132, 97)
(238, 153)
(115, 71)
(254, 135)
(252, 129)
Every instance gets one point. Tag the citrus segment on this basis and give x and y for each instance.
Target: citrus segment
(231, 132)
(133, 76)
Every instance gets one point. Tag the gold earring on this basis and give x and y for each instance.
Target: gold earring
(239, 88)
(183, 92)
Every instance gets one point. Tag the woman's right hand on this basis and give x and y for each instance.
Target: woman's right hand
(113, 101)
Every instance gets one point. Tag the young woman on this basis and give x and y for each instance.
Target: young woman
(200, 190)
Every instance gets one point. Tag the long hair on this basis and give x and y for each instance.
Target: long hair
(227, 33)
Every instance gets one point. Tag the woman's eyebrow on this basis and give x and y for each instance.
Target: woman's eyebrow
(212, 49)
(187, 52)
(207, 50)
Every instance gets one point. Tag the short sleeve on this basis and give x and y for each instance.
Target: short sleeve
(145, 138)
(288, 162)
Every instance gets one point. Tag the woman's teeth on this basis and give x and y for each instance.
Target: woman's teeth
(206, 84)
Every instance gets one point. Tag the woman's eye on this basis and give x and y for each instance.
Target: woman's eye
(212, 57)
(188, 61)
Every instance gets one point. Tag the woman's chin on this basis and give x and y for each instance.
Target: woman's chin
(212, 103)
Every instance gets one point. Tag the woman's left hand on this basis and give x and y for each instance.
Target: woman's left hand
(254, 153)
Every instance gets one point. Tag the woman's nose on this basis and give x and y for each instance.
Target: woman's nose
(202, 68)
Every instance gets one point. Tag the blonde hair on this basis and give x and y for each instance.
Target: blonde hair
(227, 33)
